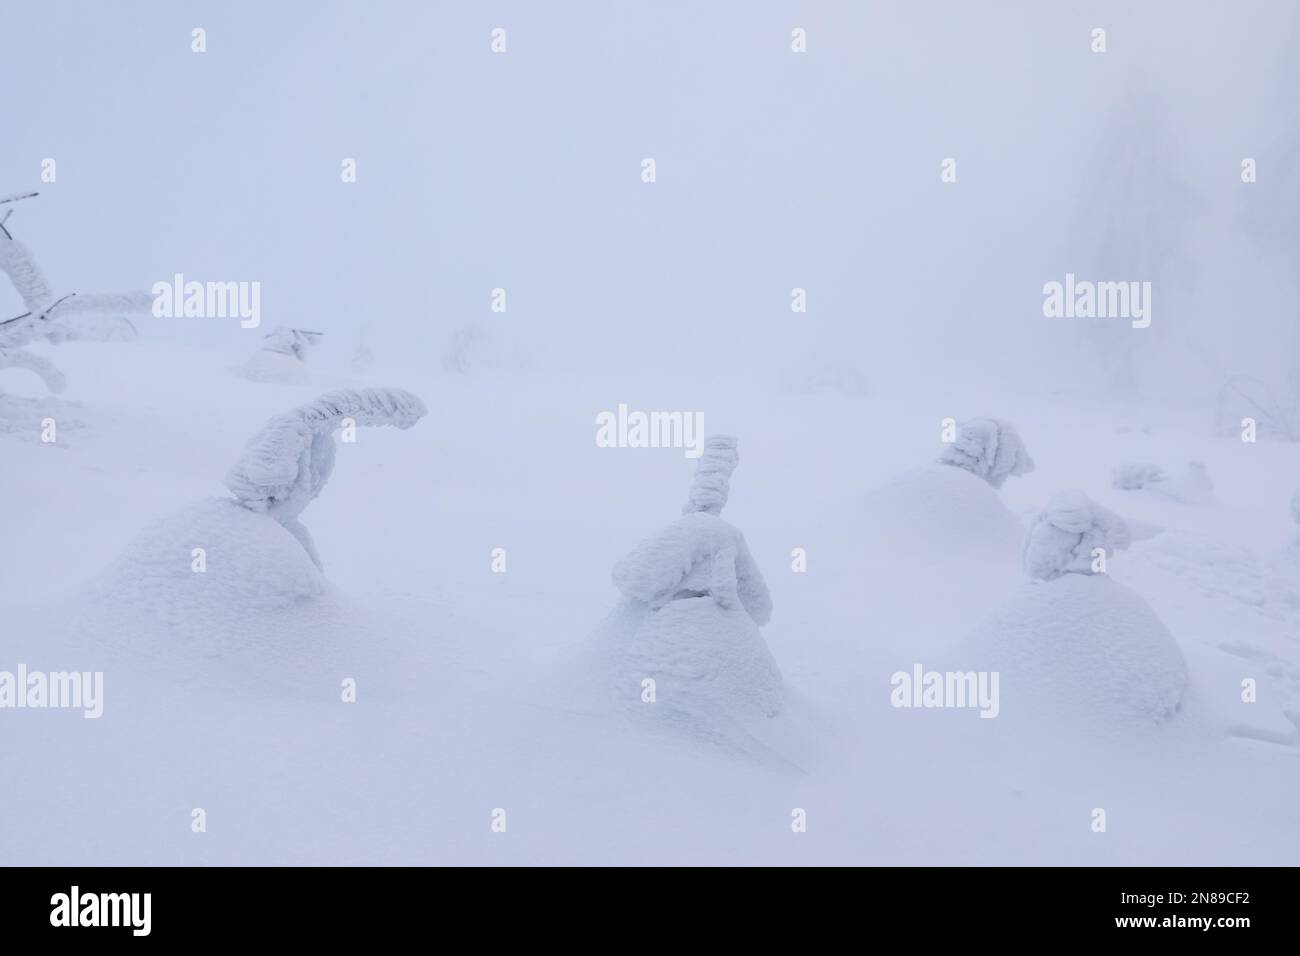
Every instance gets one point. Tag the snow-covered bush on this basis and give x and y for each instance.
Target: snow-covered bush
(1064, 536)
(291, 342)
(95, 316)
(282, 358)
(1075, 644)
(1130, 477)
(989, 448)
(1191, 487)
(255, 552)
(694, 600)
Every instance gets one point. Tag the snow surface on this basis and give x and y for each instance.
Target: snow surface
(479, 690)
(466, 581)
(1080, 649)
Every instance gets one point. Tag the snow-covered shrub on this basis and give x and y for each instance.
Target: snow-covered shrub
(1075, 644)
(291, 342)
(694, 600)
(948, 510)
(989, 448)
(256, 553)
(1064, 536)
(1192, 486)
(1130, 477)
(282, 358)
(94, 316)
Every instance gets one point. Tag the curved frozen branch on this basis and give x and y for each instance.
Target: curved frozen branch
(286, 464)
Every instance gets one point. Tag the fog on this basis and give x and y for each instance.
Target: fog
(774, 170)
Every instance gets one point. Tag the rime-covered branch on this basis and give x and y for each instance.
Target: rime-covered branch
(1063, 537)
(42, 367)
(712, 481)
(990, 448)
(286, 464)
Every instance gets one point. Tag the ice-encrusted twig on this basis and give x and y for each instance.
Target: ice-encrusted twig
(712, 482)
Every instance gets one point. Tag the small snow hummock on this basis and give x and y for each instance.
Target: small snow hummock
(1063, 537)
(694, 600)
(990, 448)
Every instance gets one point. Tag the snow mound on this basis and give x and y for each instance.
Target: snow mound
(1063, 537)
(1081, 648)
(707, 662)
(944, 511)
(989, 448)
(251, 562)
